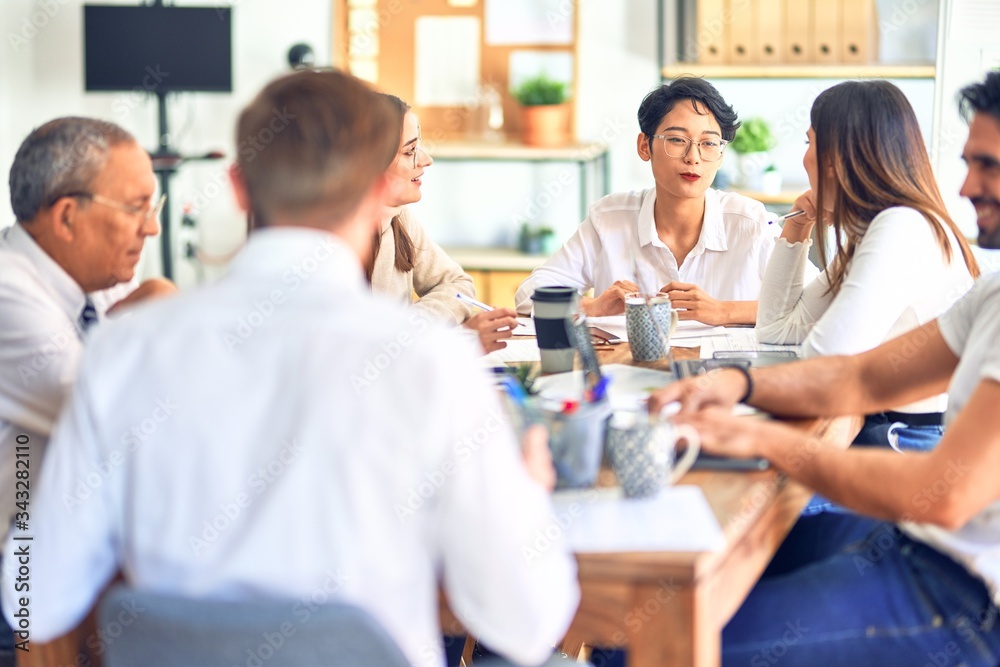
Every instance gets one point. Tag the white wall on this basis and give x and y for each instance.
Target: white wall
(478, 204)
(43, 78)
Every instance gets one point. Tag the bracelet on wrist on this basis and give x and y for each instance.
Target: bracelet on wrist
(746, 374)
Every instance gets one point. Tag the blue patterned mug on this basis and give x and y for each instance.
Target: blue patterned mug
(646, 343)
(643, 452)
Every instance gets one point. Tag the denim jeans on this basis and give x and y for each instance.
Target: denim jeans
(884, 599)
(877, 431)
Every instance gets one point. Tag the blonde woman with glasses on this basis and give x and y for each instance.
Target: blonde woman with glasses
(705, 248)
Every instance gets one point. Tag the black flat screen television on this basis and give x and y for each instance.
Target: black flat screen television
(158, 49)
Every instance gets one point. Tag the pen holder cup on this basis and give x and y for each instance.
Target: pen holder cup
(576, 441)
(644, 337)
(643, 454)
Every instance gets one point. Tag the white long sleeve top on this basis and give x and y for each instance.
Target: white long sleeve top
(898, 280)
(285, 433)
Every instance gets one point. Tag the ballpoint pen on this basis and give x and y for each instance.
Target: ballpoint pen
(473, 302)
(793, 214)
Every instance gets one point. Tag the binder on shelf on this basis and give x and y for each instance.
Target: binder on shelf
(742, 16)
(771, 31)
(826, 31)
(798, 41)
(712, 32)
(859, 31)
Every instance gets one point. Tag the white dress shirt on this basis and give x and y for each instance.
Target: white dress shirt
(971, 329)
(728, 261)
(40, 347)
(285, 433)
(897, 281)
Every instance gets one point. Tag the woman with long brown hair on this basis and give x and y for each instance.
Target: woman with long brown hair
(405, 261)
(899, 260)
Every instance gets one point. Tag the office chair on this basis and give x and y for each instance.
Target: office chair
(143, 629)
(153, 630)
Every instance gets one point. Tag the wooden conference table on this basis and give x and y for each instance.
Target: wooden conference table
(667, 609)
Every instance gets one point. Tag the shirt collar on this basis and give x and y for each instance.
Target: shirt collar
(60, 285)
(713, 230)
(296, 255)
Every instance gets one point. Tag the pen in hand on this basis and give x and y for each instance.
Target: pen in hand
(473, 302)
(793, 214)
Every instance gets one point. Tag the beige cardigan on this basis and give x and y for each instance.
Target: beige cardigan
(435, 277)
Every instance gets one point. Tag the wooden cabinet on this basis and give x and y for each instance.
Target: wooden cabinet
(497, 272)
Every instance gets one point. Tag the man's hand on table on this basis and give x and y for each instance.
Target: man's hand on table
(722, 388)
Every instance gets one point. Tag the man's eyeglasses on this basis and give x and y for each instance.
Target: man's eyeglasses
(150, 214)
(675, 146)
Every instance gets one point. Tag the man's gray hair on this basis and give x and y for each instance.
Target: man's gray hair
(59, 158)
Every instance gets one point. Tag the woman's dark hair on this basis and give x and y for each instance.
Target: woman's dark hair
(981, 97)
(405, 252)
(868, 133)
(703, 95)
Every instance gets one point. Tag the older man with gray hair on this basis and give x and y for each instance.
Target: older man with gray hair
(82, 191)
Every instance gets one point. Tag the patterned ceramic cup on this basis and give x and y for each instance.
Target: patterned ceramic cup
(643, 338)
(643, 453)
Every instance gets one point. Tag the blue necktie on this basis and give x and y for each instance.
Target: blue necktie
(88, 316)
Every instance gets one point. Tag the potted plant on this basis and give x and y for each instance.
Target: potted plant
(752, 141)
(544, 111)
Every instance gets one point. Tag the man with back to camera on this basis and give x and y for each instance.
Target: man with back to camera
(82, 191)
(919, 583)
(276, 468)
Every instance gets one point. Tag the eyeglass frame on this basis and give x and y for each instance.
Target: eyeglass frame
(124, 208)
(690, 142)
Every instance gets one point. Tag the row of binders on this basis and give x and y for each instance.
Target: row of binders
(775, 32)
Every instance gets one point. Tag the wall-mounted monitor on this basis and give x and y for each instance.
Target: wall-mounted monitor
(159, 49)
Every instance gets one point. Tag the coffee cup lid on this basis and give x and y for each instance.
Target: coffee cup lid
(553, 294)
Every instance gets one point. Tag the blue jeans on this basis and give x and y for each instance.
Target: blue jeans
(884, 599)
(877, 431)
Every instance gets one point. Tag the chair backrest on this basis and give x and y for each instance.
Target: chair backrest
(152, 630)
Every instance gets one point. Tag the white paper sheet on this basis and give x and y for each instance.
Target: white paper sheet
(686, 329)
(602, 521)
(516, 351)
(441, 79)
(525, 327)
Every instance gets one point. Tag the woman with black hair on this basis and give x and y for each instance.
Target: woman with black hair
(707, 249)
